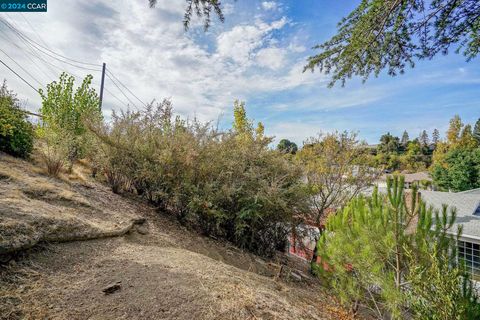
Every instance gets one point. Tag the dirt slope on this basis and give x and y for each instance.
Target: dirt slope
(162, 270)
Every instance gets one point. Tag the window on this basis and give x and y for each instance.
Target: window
(470, 254)
(477, 212)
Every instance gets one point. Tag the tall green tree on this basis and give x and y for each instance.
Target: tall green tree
(65, 112)
(394, 34)
(435, 136)
(424, 139)
(405, 139)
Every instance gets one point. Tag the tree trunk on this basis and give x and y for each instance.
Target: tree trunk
(313, 262)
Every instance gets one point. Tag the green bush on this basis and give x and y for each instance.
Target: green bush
(66, 114)
(16, 133)
(227, 184)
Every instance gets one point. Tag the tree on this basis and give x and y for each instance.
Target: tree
(454, 130)
(467, 139)
(202, 8)
(413, 157)
(435, 136)
(65, 112)
(405, 139)
(335, 170)
(287, 146)
(388, 143)
(16, 133)
(424, 140)
(476, 131)
(459, 170)
(378, 251)
(393, 34)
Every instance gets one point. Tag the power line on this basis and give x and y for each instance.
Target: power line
(20, 66)
(34, 48)
(5, 36)
(121, 91)
(46, 51)
(33, 29)
(28, 49)
(111, 73)
(118, 99)
(49, 50)
(28, 83)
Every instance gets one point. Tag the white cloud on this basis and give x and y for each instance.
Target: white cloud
(269, 5)
(273, 58)
(240, 42)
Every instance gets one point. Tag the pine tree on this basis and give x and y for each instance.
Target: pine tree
(423, 139)
(476, 131)
(435, 136)
(378, 252)
(405, 139)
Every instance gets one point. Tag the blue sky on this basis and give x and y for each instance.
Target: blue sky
(257, 56)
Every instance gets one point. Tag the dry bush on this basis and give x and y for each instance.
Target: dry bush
(227, 184)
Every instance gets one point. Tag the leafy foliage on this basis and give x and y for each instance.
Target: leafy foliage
(456, 162)
(16, 133)
(227, 184)
(476, 131)
(392, 34)
(202, 8)
(335, 171)
(287, 146)
(65, 113)
(388, 252)
(459, 170)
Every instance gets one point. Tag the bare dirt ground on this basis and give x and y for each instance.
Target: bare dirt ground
(158, 270)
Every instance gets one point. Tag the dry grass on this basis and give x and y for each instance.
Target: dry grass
(35, 207)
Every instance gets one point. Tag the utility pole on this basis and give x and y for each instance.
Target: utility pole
(101, 85)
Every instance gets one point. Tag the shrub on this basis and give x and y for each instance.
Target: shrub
(16, 133)
(227, 184)
(66, 113)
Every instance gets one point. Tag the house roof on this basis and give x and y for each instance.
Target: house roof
(411, 177)
(473, 191)
(466, 203)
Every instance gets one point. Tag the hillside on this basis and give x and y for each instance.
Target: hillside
(161, 270)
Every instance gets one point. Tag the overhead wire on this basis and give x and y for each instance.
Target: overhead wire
(34, 48)
(28, 49)
(121, 91)
(21, 67)
(28, 83)
(51, 51)
(123, 85)
(45, 51)
(34, 30)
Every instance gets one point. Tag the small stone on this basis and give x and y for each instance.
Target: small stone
(111, 288)
(296, 276)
